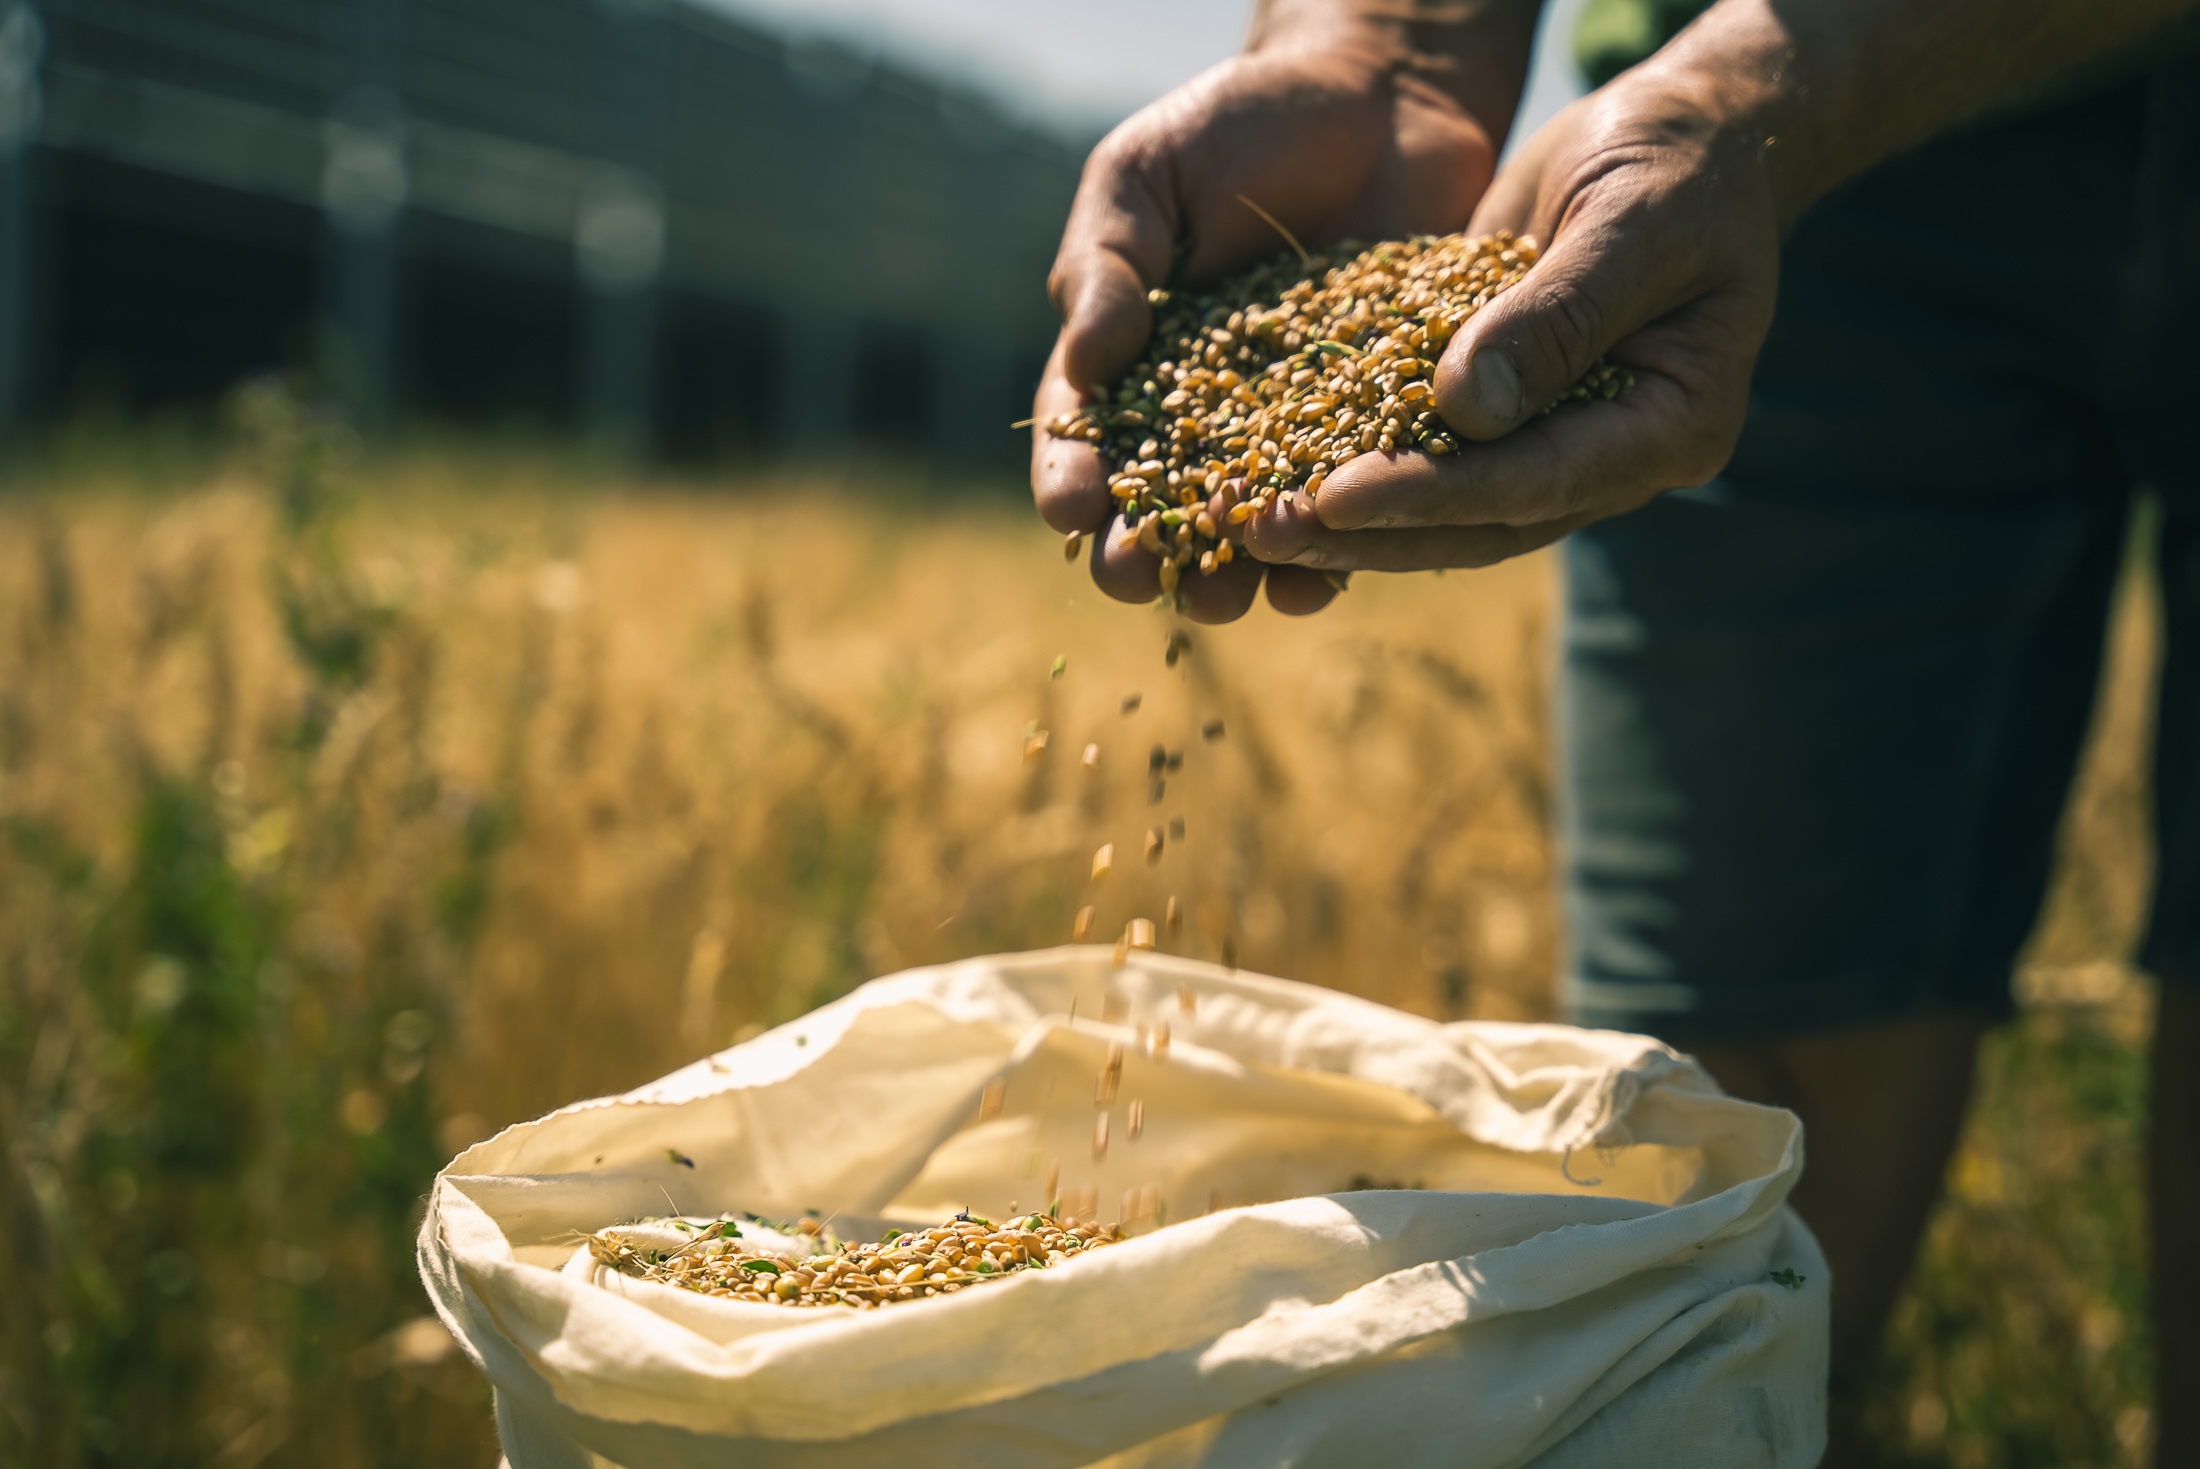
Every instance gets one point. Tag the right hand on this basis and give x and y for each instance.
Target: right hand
(1335, 144)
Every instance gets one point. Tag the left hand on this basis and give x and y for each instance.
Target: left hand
(1663, 256)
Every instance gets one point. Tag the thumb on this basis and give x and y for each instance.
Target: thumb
(1115, 247)
(1527, 346)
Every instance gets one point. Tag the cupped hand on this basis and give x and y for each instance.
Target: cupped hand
(1663, 257)
(1334, 144)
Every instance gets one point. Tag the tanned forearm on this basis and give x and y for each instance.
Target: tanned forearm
(1834, 86)
(1475, 51)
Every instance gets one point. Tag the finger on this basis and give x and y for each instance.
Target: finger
(1295, 536)
(1225, 595)
(1121, 569)
(1115, 249)
(1296, 592)
(1219, 505)
(1069, 481)
(1604, 275)
(1619, 451)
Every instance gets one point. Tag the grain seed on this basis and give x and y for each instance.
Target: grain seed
(1266, 382)
(964, 1252)
(989, 1101)
(1091, 758)
(1130, 704)
(1186, 1000)
(1211, 731)
(1154, 843)
(1141, 933)
(1100, 1137)
(1060, 666)
(1072, 544)
(1172, 917)
(1134, 1127)
(1102, 861)
(1082, 928)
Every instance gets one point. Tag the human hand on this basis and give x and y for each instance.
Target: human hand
(1335, 143)
(1663, 256)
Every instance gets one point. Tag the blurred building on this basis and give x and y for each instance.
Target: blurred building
(632, 215)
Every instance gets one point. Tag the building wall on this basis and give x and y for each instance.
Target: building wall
(610, 214)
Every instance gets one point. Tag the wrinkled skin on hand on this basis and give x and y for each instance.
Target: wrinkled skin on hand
(1663, 256)
(1334, 144)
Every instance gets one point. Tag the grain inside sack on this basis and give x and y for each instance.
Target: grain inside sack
(804, 1264)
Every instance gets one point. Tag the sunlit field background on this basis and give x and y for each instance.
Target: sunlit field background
(353, 807)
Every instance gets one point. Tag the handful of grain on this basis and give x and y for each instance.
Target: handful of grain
(965, 1251)
(1278, 375)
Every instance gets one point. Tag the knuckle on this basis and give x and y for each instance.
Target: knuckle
(1567, 330)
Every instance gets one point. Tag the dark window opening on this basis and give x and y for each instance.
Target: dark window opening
(893, 387)
(487, 348)
(717, 394)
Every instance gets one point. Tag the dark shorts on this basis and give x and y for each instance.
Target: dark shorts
(1821, 714)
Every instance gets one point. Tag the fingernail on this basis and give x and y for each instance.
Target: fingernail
(1496, 384)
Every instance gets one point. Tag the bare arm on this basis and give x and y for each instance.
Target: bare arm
(1369, 118)
(1662, 198)
(1835, 86)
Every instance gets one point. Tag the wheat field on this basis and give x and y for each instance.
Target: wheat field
(352, 808)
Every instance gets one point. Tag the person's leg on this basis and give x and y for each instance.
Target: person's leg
(2173, 1158)
(2172, 954)
(1821, 715)
(1815, 760)
(1882, 1107)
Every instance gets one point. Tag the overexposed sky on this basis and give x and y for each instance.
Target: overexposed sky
(1078, 67)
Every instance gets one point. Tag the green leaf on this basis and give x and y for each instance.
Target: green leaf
(760, 1267)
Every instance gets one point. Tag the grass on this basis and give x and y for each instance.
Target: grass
(351, 809)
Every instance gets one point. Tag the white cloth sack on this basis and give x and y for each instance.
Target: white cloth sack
(1582, 1271)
